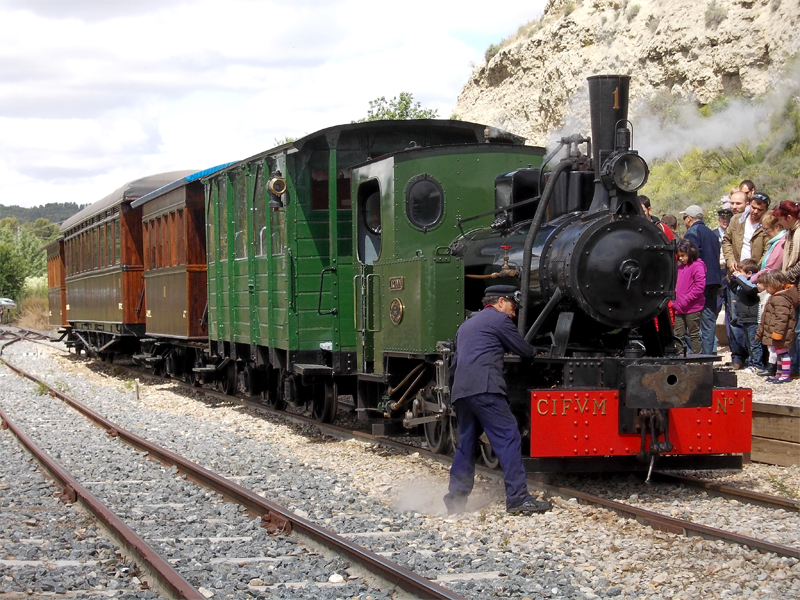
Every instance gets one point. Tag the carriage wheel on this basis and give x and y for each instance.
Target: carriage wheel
(487, 454)
(172, 365)
(194, 359)
(437, 435)
(271, 394)
(159, 369)
(326, 402)
(228, 380)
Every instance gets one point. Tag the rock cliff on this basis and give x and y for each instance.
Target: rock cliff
(697, 50)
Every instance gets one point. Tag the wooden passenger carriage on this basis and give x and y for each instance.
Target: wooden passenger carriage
(103, 261)
(175, 292)
(56, 283)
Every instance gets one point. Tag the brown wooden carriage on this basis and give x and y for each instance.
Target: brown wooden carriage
(56, 284)
(104, 264)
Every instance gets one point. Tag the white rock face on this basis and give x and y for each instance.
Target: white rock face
(694, 49)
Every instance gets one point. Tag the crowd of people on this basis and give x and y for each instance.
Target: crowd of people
(748, 266)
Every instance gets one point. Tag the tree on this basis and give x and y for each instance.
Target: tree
(397, 109)
(13, 268)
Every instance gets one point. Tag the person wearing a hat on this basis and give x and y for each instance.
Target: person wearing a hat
(480, 399)
(708, 249)
(724, 215)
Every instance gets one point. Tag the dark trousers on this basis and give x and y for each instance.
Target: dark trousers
(753, 345)
(488, 413)
(708, 319)
(737, 336)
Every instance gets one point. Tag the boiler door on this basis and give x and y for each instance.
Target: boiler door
(623, 271)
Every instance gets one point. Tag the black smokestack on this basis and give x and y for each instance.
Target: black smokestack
(608, 104)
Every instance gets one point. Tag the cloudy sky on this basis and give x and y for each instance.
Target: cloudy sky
(94, 93)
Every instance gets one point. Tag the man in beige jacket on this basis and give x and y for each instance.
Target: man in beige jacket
(745, 238)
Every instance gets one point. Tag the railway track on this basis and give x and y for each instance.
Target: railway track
(657, 521)
(654, 519)
(383, 573)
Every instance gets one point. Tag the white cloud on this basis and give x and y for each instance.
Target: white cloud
(95, 93)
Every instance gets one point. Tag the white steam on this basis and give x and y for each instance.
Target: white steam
(668, 136)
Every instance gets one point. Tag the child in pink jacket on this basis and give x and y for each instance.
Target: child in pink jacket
(689, 298)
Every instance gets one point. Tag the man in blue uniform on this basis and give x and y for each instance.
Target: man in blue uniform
(479, 397)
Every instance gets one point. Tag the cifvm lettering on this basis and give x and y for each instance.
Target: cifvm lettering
(566, 405)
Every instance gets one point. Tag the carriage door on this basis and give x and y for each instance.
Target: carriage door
(367, 286)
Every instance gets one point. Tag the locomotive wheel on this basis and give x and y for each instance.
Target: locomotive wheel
(326, 402)
(487, 454)
(437, 435)
(452, 431)
(228, 379)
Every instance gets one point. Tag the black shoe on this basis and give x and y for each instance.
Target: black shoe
(530, 507)
(769, 371)
(455, 505)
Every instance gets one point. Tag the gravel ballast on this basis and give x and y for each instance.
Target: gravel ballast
(392, 504)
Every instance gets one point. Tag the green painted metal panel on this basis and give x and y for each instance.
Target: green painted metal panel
(414, 267)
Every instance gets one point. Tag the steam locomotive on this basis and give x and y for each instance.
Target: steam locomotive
(342, 264)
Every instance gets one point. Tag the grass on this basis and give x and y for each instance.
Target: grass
(41, 389)
(780, 486)
(62, 386)
(33, 311)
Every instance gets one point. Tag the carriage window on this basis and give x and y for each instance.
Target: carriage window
(424, 201)
(278, 225)
(180, 237)
(239, 183)
(118, 250)
(369, 222)
(211, 240)
(260, 213)
(319, 189)
(222, 215)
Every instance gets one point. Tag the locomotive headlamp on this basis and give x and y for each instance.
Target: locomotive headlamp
(626, 171)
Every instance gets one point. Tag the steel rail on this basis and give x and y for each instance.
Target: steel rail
(274, 516)
(729, 492)
(655, 520)
(163, 576)
(671, 524)
(652, 519)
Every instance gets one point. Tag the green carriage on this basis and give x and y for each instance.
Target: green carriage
(282, 268)
(411, 293)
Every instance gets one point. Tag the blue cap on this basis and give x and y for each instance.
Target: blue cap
(509, 292)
